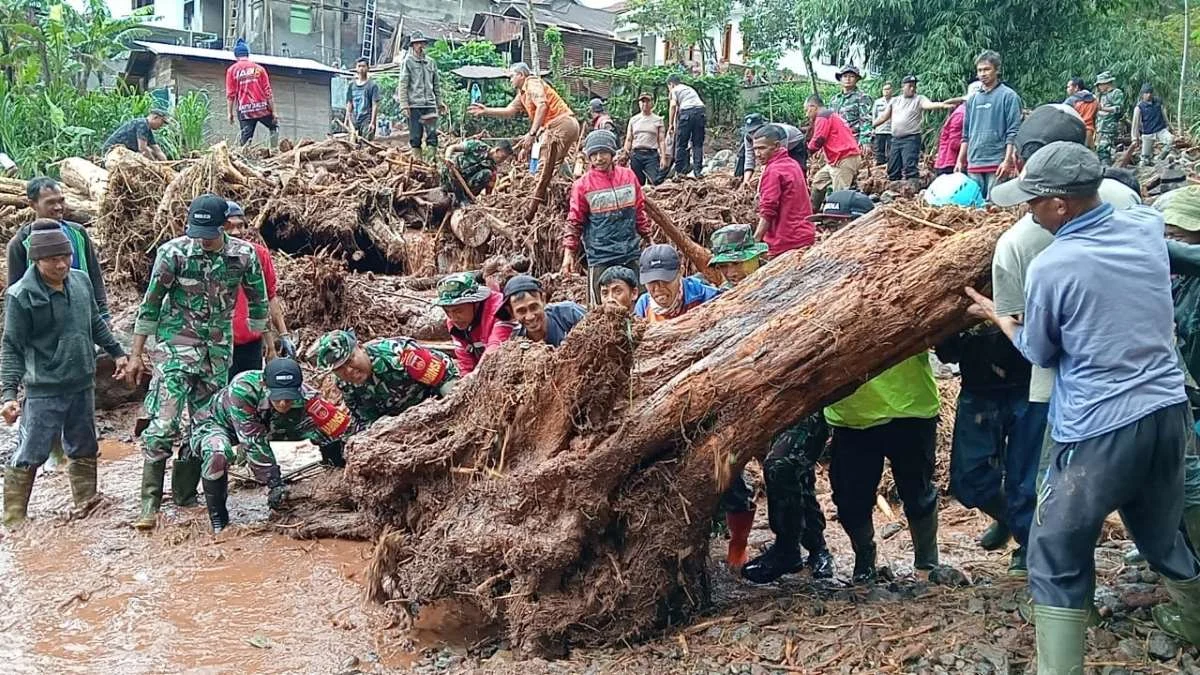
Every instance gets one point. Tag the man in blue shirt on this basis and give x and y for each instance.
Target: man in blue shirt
(1098, 307)
(524, 302)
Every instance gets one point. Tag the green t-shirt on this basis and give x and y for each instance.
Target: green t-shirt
(906, 390)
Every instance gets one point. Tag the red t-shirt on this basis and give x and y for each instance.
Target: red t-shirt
(247, 85)
(241, 309)
(831, 134)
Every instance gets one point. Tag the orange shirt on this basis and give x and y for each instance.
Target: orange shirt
(536, 91)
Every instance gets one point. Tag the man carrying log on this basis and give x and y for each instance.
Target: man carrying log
(138, 135)
(668, 293)
(418, 94)
(258, 406)
(789, 468)
(1119, 415)
(783, 198)
(380, 378)
(607, 214)
(51, 327)
(843, 156)
(249, 346)
(550, 114)
(48, 202)
(248, 90)
(619, 288)
(473, 315)
(524, 302)
(188, 308)
(476, 163)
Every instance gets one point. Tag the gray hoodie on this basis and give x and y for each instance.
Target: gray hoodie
(418, 87)
(990, 124)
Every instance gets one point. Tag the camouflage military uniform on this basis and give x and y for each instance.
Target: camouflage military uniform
(789, 470)
(855, 108)
(188, 309)
(403, 374)
(241, 415)
(476, 167)
(1108, 124)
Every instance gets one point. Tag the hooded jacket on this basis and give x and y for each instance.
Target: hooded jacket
(608, 215)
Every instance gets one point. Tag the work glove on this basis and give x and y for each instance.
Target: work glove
(276, 490)
(287, 348)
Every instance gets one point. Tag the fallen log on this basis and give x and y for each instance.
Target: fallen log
(686, 245)
(567, 494)
(84, 177)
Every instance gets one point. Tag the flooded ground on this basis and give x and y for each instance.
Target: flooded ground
(94, 596)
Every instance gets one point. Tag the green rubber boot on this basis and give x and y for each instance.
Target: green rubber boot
(1060, 634)
(1191, 524)
(924, 538)
(153, 475)
(82, 475)
(997, 535)
(18, 485)
(1181, 616)
(185, 478)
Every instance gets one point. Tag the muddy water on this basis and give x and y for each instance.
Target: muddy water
(95, 596)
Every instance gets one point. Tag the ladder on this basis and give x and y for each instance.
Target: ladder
(368, 38)
(231, 22)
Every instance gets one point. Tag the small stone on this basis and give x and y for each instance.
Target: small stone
(771, 647)
(759, 670)
(889, 530)
(944, 575)
(1114, 670)
(714, 633)
(349, 663)
(976, 606)
(984, 668)
(947, 659)
(880, 594)
(742, 632)
(763, 618)
(1161, 646)
(1131, 648)
(1148, 577)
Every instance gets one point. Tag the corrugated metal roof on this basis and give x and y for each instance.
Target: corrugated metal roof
(221, 55)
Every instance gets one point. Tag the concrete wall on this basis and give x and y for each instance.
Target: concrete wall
(332, 40)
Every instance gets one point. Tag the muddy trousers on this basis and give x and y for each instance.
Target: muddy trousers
(789, 470)
(996, 448)
(856, 468)
(560, 135)
(1136, 470)
(44, 420)
(171, 392)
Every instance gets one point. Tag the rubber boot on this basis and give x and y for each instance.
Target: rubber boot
(1060, 634)
(273, 135)
(739, 536)
(995, 537)
(18, 485)
(862, 540)
(779, 559)
(820, 564)
(153, 474)
(1191, 524)
(185, 477)
(82, 475)
(924, 539)
(216, 496)
(332, 454)
(1018, 568)
(1181, 616)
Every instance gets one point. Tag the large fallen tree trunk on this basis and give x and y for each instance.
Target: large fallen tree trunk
(568, 494)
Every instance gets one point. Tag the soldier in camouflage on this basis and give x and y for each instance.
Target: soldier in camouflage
(476, 164)
(384, 376)
(1108, 116)
(789, 469)
(188, 309)
(852, 105)
(258, 406)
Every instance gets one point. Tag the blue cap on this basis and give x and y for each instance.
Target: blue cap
(240, 48)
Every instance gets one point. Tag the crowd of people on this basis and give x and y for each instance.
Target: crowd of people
(1077, 384)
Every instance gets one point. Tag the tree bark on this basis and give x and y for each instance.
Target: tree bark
(567, 494)
(85, 177)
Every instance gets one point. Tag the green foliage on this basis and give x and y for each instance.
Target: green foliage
(553, 37)
(474, 53)
(784, 102)
(683, 22)
(722, 94)
(185, 135)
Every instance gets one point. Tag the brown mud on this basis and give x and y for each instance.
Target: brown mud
(93, 596)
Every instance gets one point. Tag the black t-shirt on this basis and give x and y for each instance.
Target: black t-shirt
(362, 97)
(128, 135)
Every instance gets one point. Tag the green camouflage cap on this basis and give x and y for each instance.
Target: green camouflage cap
(460, 289)
(734, 244)
(334, 348)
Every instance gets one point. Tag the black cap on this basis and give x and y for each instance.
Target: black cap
(206, 215)
(845, 205)
(522, 283)
(754, 121)
(1047, 124)
(283, 379)
(659, 262)
(909, 79)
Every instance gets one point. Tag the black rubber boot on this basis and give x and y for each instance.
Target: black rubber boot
(862, 540)
(776, 561)
(924, 539)
(820, 563)
(216, 493)
(995, 537)
(276, 491)
(185, 477)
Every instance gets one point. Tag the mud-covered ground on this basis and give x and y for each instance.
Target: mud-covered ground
(94, 596)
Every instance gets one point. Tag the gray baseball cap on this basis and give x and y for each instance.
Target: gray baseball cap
(1060, 169)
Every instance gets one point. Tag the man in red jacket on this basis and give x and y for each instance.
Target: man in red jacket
(248, 88)
(843, 158)
(783, 199)
(471, 315)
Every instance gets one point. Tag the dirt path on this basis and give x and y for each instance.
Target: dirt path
(96, 596)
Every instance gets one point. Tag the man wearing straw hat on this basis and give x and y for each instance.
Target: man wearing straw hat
(417, 94)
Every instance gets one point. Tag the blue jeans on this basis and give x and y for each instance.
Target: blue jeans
(997, 444)
(46, 419)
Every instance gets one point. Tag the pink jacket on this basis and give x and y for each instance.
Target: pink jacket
(486, 333)
(951, 139)
(783, 201)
